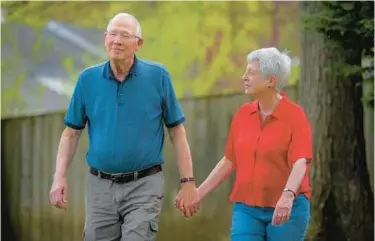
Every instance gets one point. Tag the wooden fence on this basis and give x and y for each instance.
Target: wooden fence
(28, 162)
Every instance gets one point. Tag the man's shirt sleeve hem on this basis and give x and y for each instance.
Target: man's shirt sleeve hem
(176, 123)
(75, 127)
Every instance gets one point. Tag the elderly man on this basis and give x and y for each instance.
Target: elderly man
(125, 102)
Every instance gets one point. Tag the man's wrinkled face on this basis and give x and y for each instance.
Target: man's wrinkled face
(120, 40)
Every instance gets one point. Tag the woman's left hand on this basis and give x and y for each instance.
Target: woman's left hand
(283, 208)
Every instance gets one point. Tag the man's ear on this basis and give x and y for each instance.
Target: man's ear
(140, 43)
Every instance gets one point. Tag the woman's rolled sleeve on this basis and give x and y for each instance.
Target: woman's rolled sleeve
(301, 143)
(229, 150)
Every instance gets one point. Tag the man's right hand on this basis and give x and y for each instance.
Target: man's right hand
(58, 195)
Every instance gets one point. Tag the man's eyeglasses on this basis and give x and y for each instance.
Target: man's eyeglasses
(124, 36)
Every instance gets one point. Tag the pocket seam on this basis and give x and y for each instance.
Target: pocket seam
(153, 225)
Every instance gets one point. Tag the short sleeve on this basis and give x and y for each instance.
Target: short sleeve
(301, 143)
(172, 111)
(229, 150)
(76, 114)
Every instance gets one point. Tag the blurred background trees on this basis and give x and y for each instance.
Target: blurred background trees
(204, 44)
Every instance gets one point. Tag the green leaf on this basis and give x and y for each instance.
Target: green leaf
(348, 6)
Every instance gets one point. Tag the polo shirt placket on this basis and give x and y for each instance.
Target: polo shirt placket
(121, 111)
(120, 94)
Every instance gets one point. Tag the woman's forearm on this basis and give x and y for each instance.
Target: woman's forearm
(296, 175)
(219, 174)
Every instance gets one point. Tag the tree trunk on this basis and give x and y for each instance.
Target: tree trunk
(342, 201)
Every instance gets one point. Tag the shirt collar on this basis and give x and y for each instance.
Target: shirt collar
(278, 113)
(108, 73)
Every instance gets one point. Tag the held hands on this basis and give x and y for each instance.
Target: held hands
(187, 200)
(58, 195)
(283, 208)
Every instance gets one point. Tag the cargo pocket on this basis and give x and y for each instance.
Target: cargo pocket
(153, 230)
(84, 235)
(87, 235)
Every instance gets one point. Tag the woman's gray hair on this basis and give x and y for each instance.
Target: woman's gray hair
(272, 62)
(138, 32)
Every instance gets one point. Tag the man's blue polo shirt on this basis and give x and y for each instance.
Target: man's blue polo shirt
(125, 119)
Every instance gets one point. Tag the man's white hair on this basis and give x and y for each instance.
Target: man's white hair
(272, 62)
(138, 31)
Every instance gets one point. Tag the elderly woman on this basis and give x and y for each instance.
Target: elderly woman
(270, 149)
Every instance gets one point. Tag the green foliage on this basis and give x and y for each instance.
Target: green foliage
(350, 25)
(68, 63)
(203, 44)
(294, 75)
(16, 65)
(11, 96)
(11, 90)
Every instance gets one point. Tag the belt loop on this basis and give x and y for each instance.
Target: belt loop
(99, 174)
(135, 176)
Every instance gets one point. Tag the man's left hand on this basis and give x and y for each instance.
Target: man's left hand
(283, 208)
(187, 200)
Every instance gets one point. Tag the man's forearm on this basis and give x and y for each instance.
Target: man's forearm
(296, 175)
(178, 138)
(67, 148)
